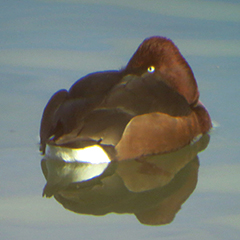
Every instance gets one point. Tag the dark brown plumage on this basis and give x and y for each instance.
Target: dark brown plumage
(150, 106)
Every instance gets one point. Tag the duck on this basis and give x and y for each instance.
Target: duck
(149, 107)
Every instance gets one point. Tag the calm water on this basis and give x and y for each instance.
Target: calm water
(48, 45)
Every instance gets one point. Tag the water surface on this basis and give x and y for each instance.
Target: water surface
(48, 45)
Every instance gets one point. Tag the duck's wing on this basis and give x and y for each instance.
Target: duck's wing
(47, 122)
(64, 114)
(146, 94)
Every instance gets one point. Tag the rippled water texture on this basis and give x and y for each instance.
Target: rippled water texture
(48, 45)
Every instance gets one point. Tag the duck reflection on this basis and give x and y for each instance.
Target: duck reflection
(153, 188)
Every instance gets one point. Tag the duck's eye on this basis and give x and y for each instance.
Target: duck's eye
(151, 69)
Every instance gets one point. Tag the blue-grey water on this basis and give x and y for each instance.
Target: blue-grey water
(48, 45)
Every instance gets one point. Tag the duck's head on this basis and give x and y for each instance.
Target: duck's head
(159, 56)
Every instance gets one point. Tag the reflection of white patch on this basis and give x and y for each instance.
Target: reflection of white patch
(72, 172)
(92, 154)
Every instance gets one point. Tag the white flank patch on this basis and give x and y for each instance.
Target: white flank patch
(92, 154)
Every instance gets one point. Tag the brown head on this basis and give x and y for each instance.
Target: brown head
(159, 55)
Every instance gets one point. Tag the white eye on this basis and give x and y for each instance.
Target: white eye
(151, 69)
